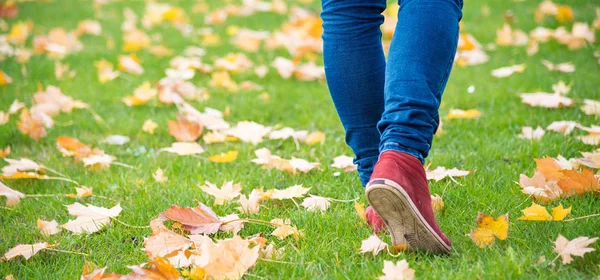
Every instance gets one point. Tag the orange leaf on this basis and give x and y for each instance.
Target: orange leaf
(579, 182)
(184, 130)
(549, 168)
(197, 220)
(31, 126)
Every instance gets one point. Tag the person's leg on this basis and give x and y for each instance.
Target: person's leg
(355, 72)
(419, 63)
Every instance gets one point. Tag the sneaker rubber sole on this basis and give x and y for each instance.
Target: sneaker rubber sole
(402, 218)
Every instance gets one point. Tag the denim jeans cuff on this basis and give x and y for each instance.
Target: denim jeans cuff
(393, 146)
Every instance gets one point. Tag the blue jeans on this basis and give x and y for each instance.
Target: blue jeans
(394, 106)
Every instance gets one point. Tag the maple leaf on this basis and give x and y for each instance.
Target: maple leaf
(231, 223)
(535, 212)
(97, 274)
(463, 114)
(228, 156)
(360, 210)
(579, 182)
(12, 197)
(566, 67)
(344, 162)
(249, 132)
(227, 259)
(227, 192)
(546, 100)
(48, 227)
(285, 229)
(98, 161)
(5, 152)
(159, 176)
(105, 71)
(564, 127)
(302, 165)
(314, 203)
(289, 193)
(158, 268)
(90, 218)
(251, 204)
(27, 250)
(130, 64)
(118, 140)
(162, 242)
(185, 131)
(372, 245)
(141, 95)
(398, 271)
(314, 138)
(31, 126)
(149, 126)
(21, 165)
(489, 229)
(197, 220)
(539, 187)
(437, 203)
(81, 192)
(441, 172)
(529, 133)
(184, 148)
(591, 107)
(507, 71)
(576, 247)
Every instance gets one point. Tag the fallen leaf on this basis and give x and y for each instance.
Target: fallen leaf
(529, 133)
(462, 114)
(21, 165)
(360, 210)
(566, 67)
(489, 230)
(130, 64)
(141, 95)
(163, 242)
(197, 220)
(231, 223)
(31, 125)
(591, 107)
(227, 192)
(81, 192)
(118, 140)
(564, 127)
(289, 193)
(546, 100)
(559, 213)
(436, 202)
(5, 152)
(184, 148)
(250, 204)
(184, 130)
(508, 71)
(159, 176)
(227, 259)
(285, 229)
(441, 172)
(398, 271)
(26, 250)
(535, 212)
(576, 247)
(158, 268)
(90, 218)
(149, 126)
(12, 197)
(314, 138)
(228, 156)
(314, 203)
(344, 162)
(372, 245)
(48, 227)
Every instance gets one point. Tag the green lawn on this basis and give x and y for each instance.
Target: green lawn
(329, 248)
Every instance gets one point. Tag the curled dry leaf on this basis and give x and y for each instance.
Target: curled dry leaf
(227, 192)
(12, 197)
(373, 245)
(48, 227)
(90, 218)
(398, 271)
(576, 247)
(489, 230)
(197, 220)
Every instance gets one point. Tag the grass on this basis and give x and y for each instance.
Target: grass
(330, 247)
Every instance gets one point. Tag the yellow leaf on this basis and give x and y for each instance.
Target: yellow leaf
(559, 213)
(489, 229)
(360, 209)
(535, 212)
(315, 137)
(224, 157)
(4, 78)
(196, 273)
(463, 114)
(564, 13)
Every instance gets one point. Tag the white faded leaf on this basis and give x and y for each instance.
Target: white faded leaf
(575, 247)
(314, 203)
(372, 245)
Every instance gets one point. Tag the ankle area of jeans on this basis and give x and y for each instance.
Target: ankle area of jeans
(393, 146)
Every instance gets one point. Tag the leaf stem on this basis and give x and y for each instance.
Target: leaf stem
(61, 179)
(341, 200)
(128, 225)
(579, 218)
(53, 171)
(248, 220)
(122, 164)
(68, 252)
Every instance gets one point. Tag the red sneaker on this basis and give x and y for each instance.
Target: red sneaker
(399, 193)
(374, 220)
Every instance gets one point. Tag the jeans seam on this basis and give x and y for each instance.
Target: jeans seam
(400, 148)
